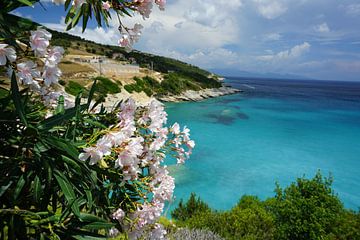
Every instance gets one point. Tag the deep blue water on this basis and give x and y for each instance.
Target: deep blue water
(275, 131)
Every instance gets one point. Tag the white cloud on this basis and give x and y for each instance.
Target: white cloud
(353, 9)
(322, 28)
(292, 53)
(270, 9)
(272, 37)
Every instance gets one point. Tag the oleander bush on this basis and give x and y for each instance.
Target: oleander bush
(68, 170)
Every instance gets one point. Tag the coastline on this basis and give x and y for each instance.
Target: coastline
(195, 96)
(187, 96)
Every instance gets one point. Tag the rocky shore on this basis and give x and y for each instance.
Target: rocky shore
(142, 99)
(191, 95)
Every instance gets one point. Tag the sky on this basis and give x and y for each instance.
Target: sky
(318, 39)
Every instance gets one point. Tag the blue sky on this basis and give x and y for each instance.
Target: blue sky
(313, 38)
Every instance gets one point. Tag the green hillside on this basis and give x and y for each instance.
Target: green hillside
(176, 76)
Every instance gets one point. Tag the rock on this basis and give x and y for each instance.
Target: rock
(191, 95)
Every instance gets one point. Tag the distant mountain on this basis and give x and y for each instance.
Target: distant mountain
(239, 73)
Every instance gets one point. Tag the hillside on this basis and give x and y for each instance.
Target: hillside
(121, 71)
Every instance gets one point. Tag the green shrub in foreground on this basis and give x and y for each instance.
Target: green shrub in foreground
(307, 209)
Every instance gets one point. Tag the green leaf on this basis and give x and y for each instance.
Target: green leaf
(67, 189)
(26, 2)
(95, 123)
(37, 190)
(76, 19)
(19, 186)
(17, 98)
(71, 163)
(86, 217)
(91, 94)
(89, 198)
(3, 188)
(62, 145)
(87, 12)
(67, 4)
(60, 109)
(98, 225)
(58, 119)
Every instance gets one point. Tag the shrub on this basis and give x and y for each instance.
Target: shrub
(75, 88)
(190, 208)
(307, 209)
(106, 86)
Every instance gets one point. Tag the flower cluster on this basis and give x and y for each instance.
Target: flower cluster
(136, 145)
(6, 53)
(41, 79)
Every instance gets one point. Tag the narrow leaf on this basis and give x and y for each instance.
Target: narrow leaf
(17, 98)
(67, 189)
(19, 186)
(26, 2)
(71, 163)
(91, 93)
(62, 145)
(37, 190)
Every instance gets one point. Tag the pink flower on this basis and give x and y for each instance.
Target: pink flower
(94, 154)
(144, 7)
(51, 75)
(54, 56)
(190, 144)
(175, 128)
(39, 41)
(125, 41)
(27, 72)
(6, 53)
(113, 232)
(161, 4)
(106, 5)
(118, 215)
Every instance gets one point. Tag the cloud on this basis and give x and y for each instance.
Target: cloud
(251, 35)
(270, 9)
(292, 53)
(272, 37)
(322, 28)
(353, 9)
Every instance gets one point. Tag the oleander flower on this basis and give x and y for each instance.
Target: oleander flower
(161, 4)
(39, 41)
(6, 53)
(27, 72)
(51, 75)
(106, 5)
(175, 128)
(144, 7)
(118, 215)
(54, 56)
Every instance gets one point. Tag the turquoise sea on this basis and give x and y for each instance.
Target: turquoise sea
(275, 131)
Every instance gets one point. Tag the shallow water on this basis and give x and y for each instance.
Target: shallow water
(275, 131)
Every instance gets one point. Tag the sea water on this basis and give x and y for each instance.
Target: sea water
(275, 131)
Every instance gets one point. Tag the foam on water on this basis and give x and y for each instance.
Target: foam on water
(275, 131)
